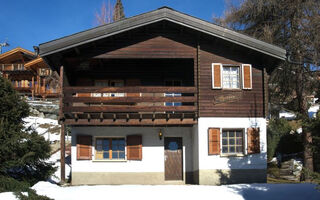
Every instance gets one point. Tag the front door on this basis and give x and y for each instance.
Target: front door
(173, 158)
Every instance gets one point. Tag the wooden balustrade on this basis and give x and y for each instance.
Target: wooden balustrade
(11, 67)
(134, 102)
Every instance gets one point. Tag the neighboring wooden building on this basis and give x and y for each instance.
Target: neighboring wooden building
(29, 74)
(164, 98)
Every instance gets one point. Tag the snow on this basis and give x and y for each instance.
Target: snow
(290, 115)
(286, 114)
(7, 196)
(55, 158)
(313, 111)
(234, 192)
(36, 122)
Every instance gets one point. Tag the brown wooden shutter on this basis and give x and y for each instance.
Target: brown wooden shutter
(214, 141)
(134, 147)
(246, 76)
(216, 76)
(84, 147)
(253, 140)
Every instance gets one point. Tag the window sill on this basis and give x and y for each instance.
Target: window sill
(233, 155)
(110, 160)
(232, 89)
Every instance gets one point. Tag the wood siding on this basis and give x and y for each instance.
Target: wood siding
(228, 102)
(170, 42)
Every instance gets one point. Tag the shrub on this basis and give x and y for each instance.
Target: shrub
(275, 130)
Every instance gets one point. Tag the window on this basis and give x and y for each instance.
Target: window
(232, 141)
(228, 76)
(108, 83)
(231, 77)
(173, 83)
(110, 149)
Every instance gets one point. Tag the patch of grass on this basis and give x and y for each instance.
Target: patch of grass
(295, 124)
(55, 129)
(273, 170)
(45, 125)
(279, 180)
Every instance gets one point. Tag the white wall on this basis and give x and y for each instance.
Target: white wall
(152, 150)
(256, 161)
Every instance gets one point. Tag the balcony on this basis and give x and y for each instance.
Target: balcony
(12, 67)
(139, 105)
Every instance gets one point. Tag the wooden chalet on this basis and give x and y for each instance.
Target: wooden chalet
(163, 98)
(29, 74)
(12, 67)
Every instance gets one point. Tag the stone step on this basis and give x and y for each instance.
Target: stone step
(290, 178)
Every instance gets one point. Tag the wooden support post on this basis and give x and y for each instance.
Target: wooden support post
(62, 153)
(76, 117)
(62, 134)
(32, 87)
(101, 117)
(140, 117)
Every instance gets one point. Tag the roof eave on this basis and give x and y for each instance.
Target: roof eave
(156, 16)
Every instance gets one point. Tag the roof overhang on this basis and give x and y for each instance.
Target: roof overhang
(15, 51)
(161, 14)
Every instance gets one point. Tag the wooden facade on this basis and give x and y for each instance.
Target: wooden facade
(29, 74)
(143, 60)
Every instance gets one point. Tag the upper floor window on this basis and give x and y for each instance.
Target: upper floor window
(231, 76)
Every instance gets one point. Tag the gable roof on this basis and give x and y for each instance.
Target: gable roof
(36, 63)
(15, 51)
(160, 14)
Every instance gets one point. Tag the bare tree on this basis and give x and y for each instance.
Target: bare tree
(295, 26)
(106, 13)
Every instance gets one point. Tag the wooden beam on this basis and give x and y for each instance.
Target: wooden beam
(129, 99)
(62, 134)
(125, 108)
(62, 153)
(131, 122)
(130, 89)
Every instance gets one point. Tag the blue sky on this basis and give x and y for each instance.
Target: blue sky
(27, 23)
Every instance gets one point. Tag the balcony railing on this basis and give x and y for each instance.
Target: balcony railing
(12, 67)
(129, 103)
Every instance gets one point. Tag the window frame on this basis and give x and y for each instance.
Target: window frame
(110, 160)
(236, 154)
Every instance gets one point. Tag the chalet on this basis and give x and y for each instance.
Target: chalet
(164, 98)
(12, 67)
(29, 74)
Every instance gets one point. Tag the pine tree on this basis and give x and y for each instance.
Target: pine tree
(293, 25)
(118, 13)
(22, 152)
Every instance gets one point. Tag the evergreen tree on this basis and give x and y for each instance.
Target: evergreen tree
(118, 13)
(293, 25)
(22, 152)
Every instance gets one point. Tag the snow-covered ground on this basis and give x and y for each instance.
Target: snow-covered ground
(290, 115)
(55, 158)
(154, 192)
(44, 127)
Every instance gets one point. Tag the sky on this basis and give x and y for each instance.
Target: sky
(28, 23)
